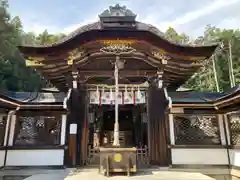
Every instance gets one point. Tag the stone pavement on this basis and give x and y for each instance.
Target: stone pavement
(146, 175)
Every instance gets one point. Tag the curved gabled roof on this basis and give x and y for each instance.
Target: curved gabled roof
(116, 17)
(118, 23)
(140, 26)
(35, 100)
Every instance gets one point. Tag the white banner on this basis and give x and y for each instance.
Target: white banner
(102, 97)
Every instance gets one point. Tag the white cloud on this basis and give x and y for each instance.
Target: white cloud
(190, 16)
(209, 9)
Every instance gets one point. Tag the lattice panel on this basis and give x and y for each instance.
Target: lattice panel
(38, 130)
(235, 129)
(196, 130)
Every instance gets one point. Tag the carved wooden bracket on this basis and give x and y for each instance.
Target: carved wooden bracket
(74, 54)
(117, 46)
(34, 61)
(161, 56)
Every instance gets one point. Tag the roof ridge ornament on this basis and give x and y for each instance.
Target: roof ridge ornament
(117, 10)
(119, 15)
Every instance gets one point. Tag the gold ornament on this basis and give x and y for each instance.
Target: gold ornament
(34, 61)
(118, 46)
(117, 157)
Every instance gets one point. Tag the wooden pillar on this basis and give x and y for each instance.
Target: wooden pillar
(77, 116)
(221, 129)
(159, 126)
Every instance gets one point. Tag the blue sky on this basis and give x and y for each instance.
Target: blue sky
(189, 16)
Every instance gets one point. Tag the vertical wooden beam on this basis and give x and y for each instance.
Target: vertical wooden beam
(12, 130)
(171, 129)
(158, 126)
(221, 129)
(72, 139)
(7, 129)
(168, 138)
(63, 128)
(226, 120)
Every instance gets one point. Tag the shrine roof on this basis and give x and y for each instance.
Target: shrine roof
(221, 100)
(83, 51)
(31, 100)
(194, 97)
(177, 97)
(36, 97)
(120, 20)
(95, 31)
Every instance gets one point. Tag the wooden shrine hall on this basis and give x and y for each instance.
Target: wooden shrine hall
(118, 85)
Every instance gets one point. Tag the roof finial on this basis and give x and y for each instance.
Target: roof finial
(117, 10)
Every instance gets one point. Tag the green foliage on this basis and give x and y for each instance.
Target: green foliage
(204, 80)
(14, 75)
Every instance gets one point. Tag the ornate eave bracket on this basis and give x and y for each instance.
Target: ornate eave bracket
(35, 61)
(75, 54)
(162, 57)
(117, 47)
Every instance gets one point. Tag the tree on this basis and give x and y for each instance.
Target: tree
(204, 79)
(14, 75)
(7, 32)
(172, 35)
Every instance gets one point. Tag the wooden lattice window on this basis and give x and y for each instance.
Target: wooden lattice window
(3, 121)
(196, 130)
(235, 129)
(37, 130)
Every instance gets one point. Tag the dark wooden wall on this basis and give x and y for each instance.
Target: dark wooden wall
(159, 127)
